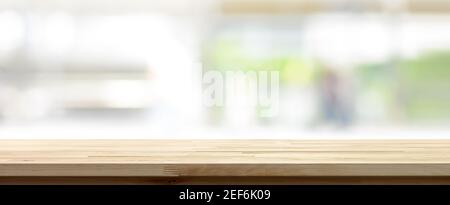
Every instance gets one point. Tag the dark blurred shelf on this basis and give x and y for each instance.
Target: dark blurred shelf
(277, 7)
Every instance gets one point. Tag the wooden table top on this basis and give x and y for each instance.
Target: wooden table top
(169, 158)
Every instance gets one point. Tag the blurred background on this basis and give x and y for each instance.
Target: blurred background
(132, 68)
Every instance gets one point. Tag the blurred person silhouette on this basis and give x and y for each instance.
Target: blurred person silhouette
(335, 98)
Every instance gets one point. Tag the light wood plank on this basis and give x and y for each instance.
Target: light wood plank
(176, 158)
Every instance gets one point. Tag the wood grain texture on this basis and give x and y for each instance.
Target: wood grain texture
(232, 180)
(224, 158)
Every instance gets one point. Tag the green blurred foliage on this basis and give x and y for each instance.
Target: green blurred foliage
(228, 54)
(426, 82)
(429, 68)
(418, 86)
